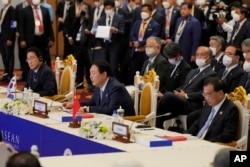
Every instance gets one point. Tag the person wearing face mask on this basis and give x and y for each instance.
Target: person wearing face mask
(245, 46)
(232, 72)
(7, 38)
(217, 46)
(179, 70)
(188, 97)
(172, 13)
(156, 61)
(36, 29)
(241, 29)
(141, 30)
(116, 24)
(245, 79)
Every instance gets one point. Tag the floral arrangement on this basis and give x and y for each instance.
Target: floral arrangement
(95, 130)
(239, 94)
(16, 107)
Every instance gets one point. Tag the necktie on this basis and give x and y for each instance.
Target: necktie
(34, 77)
(174, 69)
(98, 10)
(235, 31)
(142, 30)
(167, 23)
(101, 94)
(148, 67)
(109, 20)
(83, 35)
(38, 18)
(194, 76)
(206, 125)
(224, 74)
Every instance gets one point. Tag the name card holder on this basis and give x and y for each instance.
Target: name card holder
(121, 131)
(40, 109)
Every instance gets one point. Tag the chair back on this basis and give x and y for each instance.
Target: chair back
(6, 150)
(146, 99)
(66, 82)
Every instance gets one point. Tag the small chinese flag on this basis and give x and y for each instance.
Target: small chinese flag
(76, 105)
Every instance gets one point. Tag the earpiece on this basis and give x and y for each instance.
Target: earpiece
(40, 58)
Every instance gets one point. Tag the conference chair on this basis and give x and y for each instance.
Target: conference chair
(6, 151)
(146, 99)
(171, 122)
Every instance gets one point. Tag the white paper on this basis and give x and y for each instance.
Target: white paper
(103, 32)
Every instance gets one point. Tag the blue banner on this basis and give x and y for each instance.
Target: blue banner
(22, 134)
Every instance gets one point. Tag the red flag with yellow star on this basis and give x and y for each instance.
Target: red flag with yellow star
(76, 105)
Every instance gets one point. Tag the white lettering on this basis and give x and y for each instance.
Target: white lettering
(240, 158)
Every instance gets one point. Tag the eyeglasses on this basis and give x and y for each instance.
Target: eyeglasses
(30, 59)
(228, 54)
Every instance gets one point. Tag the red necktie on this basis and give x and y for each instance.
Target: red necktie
(40, 27)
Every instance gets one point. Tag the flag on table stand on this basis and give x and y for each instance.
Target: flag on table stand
(76, 105)
(11, 88)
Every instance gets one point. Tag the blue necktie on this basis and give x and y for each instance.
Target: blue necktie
(34, 76)
(206, 125)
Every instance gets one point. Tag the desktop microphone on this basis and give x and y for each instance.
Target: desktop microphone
(78, 85)
(143, 120)
(1, 77)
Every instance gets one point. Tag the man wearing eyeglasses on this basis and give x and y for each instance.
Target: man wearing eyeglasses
(41, 78)
(232, 72)
(218, 121)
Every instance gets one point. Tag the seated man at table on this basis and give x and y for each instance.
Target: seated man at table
(218, 120)
(109, 93)
(41, 79)
(23, 159)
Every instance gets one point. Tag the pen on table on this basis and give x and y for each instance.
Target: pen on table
(147, 129)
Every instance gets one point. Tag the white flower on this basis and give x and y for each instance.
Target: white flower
(16, 107)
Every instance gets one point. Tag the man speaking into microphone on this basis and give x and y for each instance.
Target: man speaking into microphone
(109, 93)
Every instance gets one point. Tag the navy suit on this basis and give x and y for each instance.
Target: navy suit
(44, 82)
(224, 125)
(190, 38)
(217, 65)
(232, 79)
(114, 96)
(244, 82)
(171, 103)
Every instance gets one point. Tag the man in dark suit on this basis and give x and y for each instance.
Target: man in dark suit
(189, 96)
(245, 79)
(180, 68)
(21, 51)
(232, 72)
(218, 121)
(141, 30)
(156, 61)
(7, 38)
(36, 29)
(172, 13)
(41, 79)
(188, 28)
(241, 29)
(61, 13)
(109, 93)
(217, 45)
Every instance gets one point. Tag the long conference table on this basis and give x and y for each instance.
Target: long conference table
(55, 140)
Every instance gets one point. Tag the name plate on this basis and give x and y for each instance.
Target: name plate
(40, 109)
(121, 131)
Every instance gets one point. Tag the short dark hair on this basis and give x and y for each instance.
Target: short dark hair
(36, 50)
(238, 51)
(103, 66)
(171, 50)
(217, 83)
(109, 3)
(189, 4)
(23, 159)
(150, 8)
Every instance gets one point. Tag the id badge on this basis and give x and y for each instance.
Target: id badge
(78, 36)
(37, 23)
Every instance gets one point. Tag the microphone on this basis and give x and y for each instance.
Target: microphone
(1, 77)
(80, 84)
(145, 120)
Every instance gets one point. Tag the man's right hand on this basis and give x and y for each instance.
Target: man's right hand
(67, 105)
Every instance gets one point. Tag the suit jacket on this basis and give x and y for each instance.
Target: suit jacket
(243, 33)
(19, 8)
(178, 77)
(174, 16)
(233, 78)
(45, 83)
(217, 65)
(194, 87)
(223, 127)
(8, 32)
(243, 82)
(161, 67)
(114, 96)
(192, 34)
(152, 30)
(27, 25)
(91, 16)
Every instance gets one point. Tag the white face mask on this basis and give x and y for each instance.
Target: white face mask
(172, 61)
(166, 5)
(97, 4)
(200, 2)
(36, 2)
(246, 66)
(200, 62)
(227, 61)
(236, 17)
(144, 15)
(5, 2)
(150, 52)
(117, 4)
(109, 12)
(213, 50)
(244, 55)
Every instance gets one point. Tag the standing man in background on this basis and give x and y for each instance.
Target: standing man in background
(7, 37)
